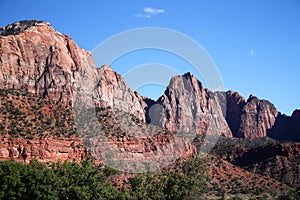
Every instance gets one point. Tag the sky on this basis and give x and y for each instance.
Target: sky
(255, 44)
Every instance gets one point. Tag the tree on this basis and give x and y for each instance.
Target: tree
(85, 181)
(33, 181)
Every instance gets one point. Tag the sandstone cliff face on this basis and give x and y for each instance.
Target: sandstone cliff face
(247, 119)
(141, 154)
(36, 58)
(47, 150)
(257, 117)
(189, 108)
(286, 127)
(112, 91)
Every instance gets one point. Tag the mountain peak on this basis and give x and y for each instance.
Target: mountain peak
(43, 62)
(21, 26)
(106, 67)
(188, 75)
(187, 81)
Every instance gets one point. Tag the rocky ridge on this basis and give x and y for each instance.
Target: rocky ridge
(45, 150)
(38, 59)
(257, 118)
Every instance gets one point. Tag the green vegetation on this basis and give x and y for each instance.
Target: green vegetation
(187, 180)
(84, 181)
(70, 180)
(163, 185)
(24, 115)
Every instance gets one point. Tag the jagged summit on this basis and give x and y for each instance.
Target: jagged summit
(188, 81)
(40, 60)
(104, 68)
(21, 26)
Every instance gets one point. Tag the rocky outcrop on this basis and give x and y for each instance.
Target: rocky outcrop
(47, 150)
(113, 92)
(247, 119)
(36, 58)
(189, 108)
(286, 127)
(18, 27)
(141, 154)
(257, 117)
(279, 161)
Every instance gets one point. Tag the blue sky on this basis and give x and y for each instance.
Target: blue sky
(255, 44)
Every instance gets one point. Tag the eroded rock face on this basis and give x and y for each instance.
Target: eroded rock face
(286, 127)
(247, 119)
(47, 150)
(113, 92)
(187, 106)
(257, 117)
(36, 58)
(39, 59)
(232, 104)
(141, 154)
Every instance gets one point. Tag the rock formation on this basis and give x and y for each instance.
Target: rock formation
(36, 58)
(189, 108)
(39, 59)
(46, 150)
(286, 127)
(141, 154)
(257, 117)
(232, 104)
(247, 119)
(113, 92)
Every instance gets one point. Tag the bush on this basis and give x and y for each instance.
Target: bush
(188, 181)
(69, 180)
(33, 181)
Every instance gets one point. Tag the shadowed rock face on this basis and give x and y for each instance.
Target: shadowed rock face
(232, 104)
(286, 127)
(251, 119)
